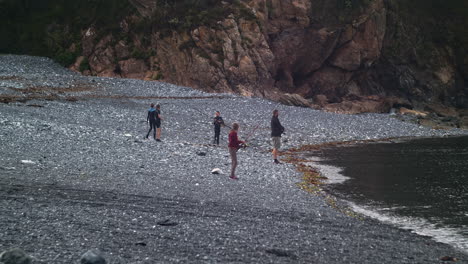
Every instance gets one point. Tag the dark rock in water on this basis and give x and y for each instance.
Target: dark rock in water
(201, 153)
(93, 257)
(281, 253)
(167, 222)
(15, 256)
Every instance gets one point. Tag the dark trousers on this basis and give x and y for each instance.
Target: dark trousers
(152, 127)
(216, 136)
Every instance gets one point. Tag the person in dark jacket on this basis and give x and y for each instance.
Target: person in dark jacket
(151, 119)
(276, 130)
(234, 145)
(158, 122)
(217, 122)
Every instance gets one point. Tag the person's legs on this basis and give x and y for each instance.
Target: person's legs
(276, 146)
(151, 128)
(216, 138)
(158, 131)
(275, 153)
(233, 152)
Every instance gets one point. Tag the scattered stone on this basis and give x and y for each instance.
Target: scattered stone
(93, 257)
(15, 256)
(217, 171)
(167, 222)
(280, 253)
(34, 105)
(71, 99)
(447, 258)
(7, 168)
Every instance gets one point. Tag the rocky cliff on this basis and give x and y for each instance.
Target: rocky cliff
(341, 55)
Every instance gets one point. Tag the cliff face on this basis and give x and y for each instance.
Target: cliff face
(289, 46)
(342, 55)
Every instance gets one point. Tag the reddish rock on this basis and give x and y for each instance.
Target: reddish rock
(442, 110)
(406, 111)
(87, 41)
(301, 52)
(347, 57)
(121, 50)
(328, 81)
(286, 14)
(294, 99)
(133, 68)
(320, 100)
(369, 104)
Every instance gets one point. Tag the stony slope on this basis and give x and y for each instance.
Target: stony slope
(342, 55)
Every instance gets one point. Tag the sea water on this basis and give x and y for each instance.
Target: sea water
(420, 185)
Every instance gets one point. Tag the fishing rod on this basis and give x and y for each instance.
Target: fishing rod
(207, 115)
(256, 127)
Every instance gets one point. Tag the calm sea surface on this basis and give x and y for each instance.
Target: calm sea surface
(421, 185)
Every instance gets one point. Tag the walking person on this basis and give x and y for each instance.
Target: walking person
(217, 122)
(158, 122)
(276, 130)
(234, 145)
(151, 119)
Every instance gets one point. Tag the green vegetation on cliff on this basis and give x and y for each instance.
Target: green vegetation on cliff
(428, 31)
(50, 27)
(182, 16)
(54, 28)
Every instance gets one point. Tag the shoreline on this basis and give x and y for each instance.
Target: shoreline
(93, 182)
(418, 225)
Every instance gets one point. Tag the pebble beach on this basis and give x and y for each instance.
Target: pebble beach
(77, 174)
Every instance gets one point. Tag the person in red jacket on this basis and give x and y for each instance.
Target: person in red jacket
(234, 145)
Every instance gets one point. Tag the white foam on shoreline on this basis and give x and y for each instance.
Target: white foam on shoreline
(451, 236)
(420, 226)
(332, 173)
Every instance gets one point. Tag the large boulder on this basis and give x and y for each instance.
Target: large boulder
(441, 110)
(294, 99)
(93, 257)
(370, 104)
(15, 256)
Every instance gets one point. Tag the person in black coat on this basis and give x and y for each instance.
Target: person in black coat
(276, 130)
(151, 119)
(217, 122)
